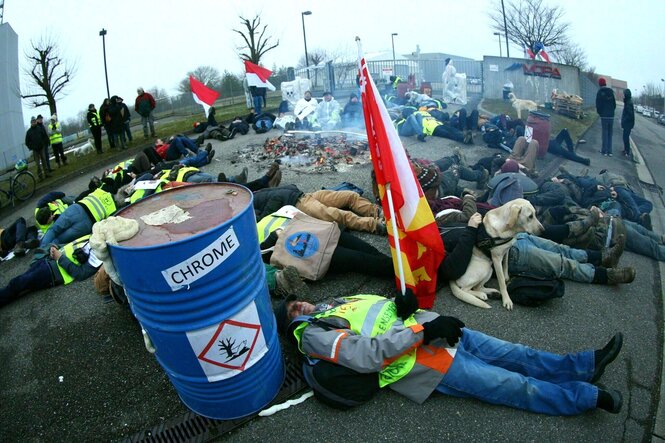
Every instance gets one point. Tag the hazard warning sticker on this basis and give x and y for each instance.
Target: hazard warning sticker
(226, 349)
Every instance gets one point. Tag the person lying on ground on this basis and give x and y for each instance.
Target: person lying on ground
(49, 207)
(555, 147)
(422, 124)
(178, 146)
(422, 353)
(74, 261)
(17, 237)
(347, 208)
(263, 122)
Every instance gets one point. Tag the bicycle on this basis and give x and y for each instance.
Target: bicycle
(21, 187)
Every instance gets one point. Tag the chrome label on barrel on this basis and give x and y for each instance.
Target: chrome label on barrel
(228, 348)
(197, 266)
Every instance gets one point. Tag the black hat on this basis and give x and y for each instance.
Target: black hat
(282, 315)
(39, 116)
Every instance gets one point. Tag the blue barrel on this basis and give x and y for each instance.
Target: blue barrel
(197, 286)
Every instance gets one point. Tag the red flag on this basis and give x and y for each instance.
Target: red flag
(420, 245)
(202, 94)
(258, 76)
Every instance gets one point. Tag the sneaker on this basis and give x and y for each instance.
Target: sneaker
(275, 180)
(609, 155)
(19, 249)
(288, 282)
(221, 178)
(610, 256)
(459, 154)
(32, 243)
(211, 154)
(242, 177)
(617, 276)
(209, 147)
(581, 141)
(610, 401)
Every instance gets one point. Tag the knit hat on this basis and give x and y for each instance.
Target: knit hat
(282, 315)
(510, 166)
(428, 177)
(33, 119)
(54, 117)
(602, 81)
(91, 106)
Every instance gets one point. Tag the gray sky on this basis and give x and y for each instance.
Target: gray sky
(155, 43)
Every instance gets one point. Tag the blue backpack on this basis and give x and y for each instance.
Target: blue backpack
(507, 189)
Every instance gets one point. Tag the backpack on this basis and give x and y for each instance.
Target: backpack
(527, 291)
(346, 186)
(507, 189)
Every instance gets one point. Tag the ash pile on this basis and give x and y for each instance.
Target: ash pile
(311, 152)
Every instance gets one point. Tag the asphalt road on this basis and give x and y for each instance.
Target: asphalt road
(111, 388)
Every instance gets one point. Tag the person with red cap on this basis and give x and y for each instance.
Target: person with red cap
(605, 106)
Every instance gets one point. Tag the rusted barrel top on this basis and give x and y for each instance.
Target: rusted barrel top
(207, 205)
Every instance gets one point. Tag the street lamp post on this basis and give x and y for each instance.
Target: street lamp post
(500, 51)
(663, 80)
(304, 36)
(505, 28)
(106, 74)
(392, 37)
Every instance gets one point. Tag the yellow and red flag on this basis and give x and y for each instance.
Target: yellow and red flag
(415, 243)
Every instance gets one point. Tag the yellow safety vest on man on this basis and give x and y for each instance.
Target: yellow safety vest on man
(96, 120)
(371, 315)
(68, 251)
(56, 207)
(429, 123)
(99, 203)
(269, 223)
(56, 134)
(141, 193)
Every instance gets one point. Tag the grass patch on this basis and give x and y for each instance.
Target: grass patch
(576, 127)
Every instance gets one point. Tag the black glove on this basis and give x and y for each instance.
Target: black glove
(449, 328)
(406, 304)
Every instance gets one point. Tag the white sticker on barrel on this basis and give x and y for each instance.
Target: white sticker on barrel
(197, 266)
(226, 349)
(528, 133)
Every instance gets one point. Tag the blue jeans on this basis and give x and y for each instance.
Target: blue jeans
(70, 225)
(38, 276)
(180, 147)
(606, 130)
(644, 242)
(200, 177)
(632, 205)
(127, 131)
(258, 101)
(499, 372)
(540, 258)
(200, 159)
(149, 120)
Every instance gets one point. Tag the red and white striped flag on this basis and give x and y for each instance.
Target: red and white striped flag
(418, 250)
(202, 94)
(258, 76)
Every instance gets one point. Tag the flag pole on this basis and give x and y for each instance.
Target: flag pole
(391, 207)
(398, 250)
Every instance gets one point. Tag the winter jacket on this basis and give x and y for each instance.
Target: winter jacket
(458, 241)
(605, 102)
(36, 138)
(628, 114)
(144, 104)
(269, 200)
(117, 113)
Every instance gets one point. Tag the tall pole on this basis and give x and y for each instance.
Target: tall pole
(106, 74)
(304, 36)
(505, 28)
(499, 35)
(392, 37)
(663, 80)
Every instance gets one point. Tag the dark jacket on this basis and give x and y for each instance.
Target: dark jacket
(458, 242)
(269, 200)
(118, 115)
(628, 114)
(104, 113)
(36, 138)
(605, 102)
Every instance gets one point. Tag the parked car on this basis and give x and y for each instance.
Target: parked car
(661, 119)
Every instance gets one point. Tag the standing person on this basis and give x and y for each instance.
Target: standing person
(258, 98)
(117, 122)
(55, 135)
(605, 106)
(36, 140)
(627, 121)
(40, 124)
(127, 118)
(95, 123)
(105, 116)
(144, 105)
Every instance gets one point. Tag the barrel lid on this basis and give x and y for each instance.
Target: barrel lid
(199, 207)
(540, 114)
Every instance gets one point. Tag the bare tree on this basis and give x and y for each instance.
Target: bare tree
(572, 54)
(530, 22)
(256, 41)
(48, 74)
(315, 57)
(207, 75)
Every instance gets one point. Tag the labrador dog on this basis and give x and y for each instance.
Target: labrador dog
(84, 148)
(520, 104)
(501, 225)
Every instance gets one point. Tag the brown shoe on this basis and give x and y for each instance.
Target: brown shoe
(275, 180)
(274, 167)
(288, 282)
(611, 255)
(617, 276)
(242, 177)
